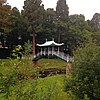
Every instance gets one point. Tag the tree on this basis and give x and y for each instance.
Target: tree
(94, 24)
(3, 1)
(4, 16)
(96, 37)
(62, 10)
(4, 20)
(62, 13)
(49, 23)
(27, 48)
(18, 28)
(14, 19)
(96, 19)
(34, 13)
(86, 72)
(78, 32)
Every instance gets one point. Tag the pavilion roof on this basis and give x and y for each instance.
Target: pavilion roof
(50, 43)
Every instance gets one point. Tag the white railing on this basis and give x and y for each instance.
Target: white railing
(61, 55)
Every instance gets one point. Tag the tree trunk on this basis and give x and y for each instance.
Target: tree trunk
(59, 35)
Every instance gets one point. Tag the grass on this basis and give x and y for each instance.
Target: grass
(55, 84)
(49, 88)
(52, 63)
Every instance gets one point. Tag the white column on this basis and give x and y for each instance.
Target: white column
(67, 58)
(52, 50)
(41, 50)
(44, 51)
(58, 50)
(48, 51)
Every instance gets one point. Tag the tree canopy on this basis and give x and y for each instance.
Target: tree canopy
(42, 23)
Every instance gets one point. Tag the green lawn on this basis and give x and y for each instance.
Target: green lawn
(52, 63)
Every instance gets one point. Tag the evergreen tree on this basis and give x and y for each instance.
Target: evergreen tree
(17, 27)
(34, 13)
(96, 19)
(79, 31)
(49, 23)
(94, 24)
(62, 12)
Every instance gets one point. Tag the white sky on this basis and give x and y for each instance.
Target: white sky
(86, 7)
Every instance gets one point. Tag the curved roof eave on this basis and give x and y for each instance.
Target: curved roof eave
(50, 43)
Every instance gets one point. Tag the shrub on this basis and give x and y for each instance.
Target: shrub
(86, 73)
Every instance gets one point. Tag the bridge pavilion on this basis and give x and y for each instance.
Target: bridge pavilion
(50, 48)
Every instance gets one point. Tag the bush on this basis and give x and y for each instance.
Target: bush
(19, 80)
(86, 73)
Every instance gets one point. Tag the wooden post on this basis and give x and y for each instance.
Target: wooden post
(59, 35)
(68, 68)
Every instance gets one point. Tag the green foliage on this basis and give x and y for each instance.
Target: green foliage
(12, 75)
(73, 30)
(34, 12)
(79, 31)
(17, 52)
(4, 17)
(62, 10)
(18, 27)
(49, 28)
(18, 81)
(68, 83)
(86, 98)
(96, 37)
(86, 72)
(14, 54)
(28, 48)
(62, 17)
(96, 20)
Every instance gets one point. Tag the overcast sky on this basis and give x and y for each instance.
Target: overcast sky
(86, 7)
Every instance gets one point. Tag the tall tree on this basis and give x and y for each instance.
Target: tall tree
(62, 12)
(4, 19)
(4, 16)
(17, 28)
(79, 30)
(49, 23)
(96, 19)
(33, 12)
(94, 24)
